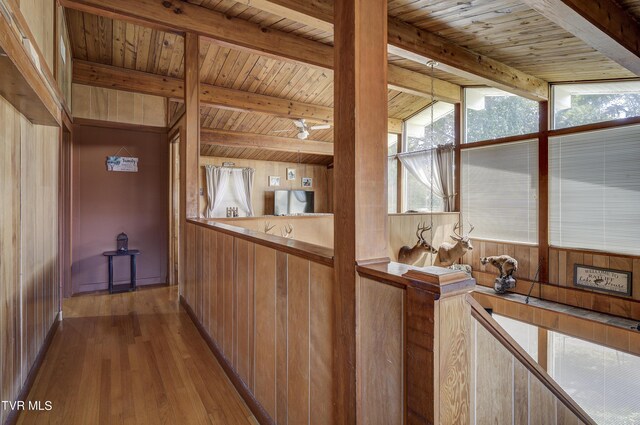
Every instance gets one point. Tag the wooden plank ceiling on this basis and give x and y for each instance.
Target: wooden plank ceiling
(504, 30)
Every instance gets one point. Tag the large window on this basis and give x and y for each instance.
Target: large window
(578, 104)
(492, 113)
(420, 139)
(500, 191)
(524, 334)
(603, 381)
(595, 190)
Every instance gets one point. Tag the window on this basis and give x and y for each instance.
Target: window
(492, 113)
(392, 174)
(579, 104)
(499, 191)
(594, 191)
(418, 133)
(524, 334)
(603, 381)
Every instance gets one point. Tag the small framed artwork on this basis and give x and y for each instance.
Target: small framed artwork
(307, 182)
(291, 173)
(274, 180)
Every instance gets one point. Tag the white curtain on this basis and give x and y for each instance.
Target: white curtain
(444, 170)
(243, 185)
(217, 186)
(419, 164)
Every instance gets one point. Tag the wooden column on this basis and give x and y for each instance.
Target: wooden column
(360, 192)
(543, 192)
(189, 140)
(438, 347)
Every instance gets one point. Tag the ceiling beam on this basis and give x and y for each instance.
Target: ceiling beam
(419, 45)
(264, 142)
(112, 77)
(602, 24)
(238, 33)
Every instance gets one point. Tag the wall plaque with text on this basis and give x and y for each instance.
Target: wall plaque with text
(607, 280)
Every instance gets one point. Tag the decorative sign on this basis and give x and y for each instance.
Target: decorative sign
(228, 164)
(126, 164)
(614, 281)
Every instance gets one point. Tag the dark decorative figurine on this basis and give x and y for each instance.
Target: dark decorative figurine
(123, 242)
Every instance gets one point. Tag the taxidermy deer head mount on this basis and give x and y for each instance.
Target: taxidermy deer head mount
(412, 255)
(450, 253)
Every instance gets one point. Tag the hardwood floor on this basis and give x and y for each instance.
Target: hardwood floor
(132, 358)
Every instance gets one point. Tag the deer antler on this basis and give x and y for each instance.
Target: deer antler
(267, 227)
(421, 229)
(457, 235)
(286, 231)
(471, 227)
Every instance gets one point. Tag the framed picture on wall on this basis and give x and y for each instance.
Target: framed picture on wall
(274, 180)
(307, 182)
(291, 173)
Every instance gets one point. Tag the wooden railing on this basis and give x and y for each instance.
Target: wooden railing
(263, 304)
(426, 353)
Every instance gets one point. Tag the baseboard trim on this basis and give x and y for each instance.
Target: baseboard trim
(12, 419)
(254, 405)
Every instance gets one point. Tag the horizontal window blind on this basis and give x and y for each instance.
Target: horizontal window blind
(499, 191)
(595, 190)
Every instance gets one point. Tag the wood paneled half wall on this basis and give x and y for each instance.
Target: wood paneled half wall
(266, 312)
(29, 270)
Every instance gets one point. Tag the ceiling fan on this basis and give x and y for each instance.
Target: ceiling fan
(304, 128)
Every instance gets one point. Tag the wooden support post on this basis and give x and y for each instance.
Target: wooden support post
(438, 335)
(543, 348)
(190, 140)
(360, 193)
(543, 192)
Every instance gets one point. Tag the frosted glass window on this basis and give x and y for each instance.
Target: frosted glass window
(595, 190)
(499, 191)
(579, 104)
(524, 334)
(492, 113)
(603, 381)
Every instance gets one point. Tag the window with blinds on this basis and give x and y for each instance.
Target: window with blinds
(595, 190)
(499, 187)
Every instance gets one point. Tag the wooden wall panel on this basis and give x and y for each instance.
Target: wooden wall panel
(64, 59)
(262, 196)
(102, 104)
(317, 230)
(29, 269)
(561, 268)
(381, 312)
(269, 315)
(39, 15)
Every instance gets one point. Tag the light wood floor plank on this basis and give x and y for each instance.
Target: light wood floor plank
(132, 359)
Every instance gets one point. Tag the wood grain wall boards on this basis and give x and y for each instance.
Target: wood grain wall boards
(262, 196)
(40, 16)
(270, 315)
(29, 271)
(561, 268)
(381, 351)
(118, 106)
(64, 59)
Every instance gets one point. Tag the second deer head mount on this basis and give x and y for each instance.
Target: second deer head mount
(413, 255)
(448, 253)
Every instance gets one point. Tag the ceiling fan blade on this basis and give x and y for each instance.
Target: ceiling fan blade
(321, 127)
(299, 123)
(282, 131)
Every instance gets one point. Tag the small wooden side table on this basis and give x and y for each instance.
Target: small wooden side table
(131, 286)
